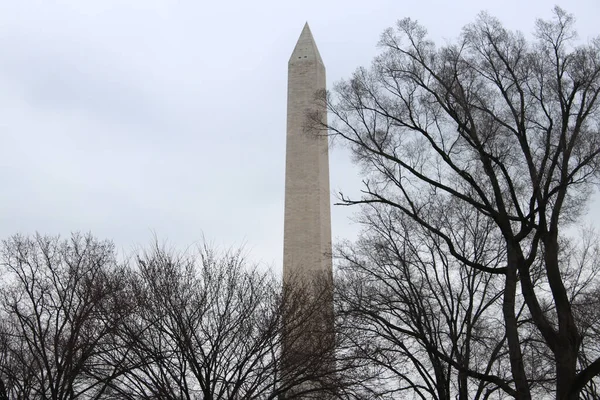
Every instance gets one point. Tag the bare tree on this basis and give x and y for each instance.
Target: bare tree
(62, 301)
(506, 127)
(209, 325)
(426, 321)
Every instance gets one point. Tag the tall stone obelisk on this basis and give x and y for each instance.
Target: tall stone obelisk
(307, 227)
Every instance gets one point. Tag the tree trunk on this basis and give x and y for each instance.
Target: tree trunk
(569, 339)
(512, 334)
(566, 364)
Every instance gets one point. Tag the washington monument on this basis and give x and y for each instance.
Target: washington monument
(307, 225)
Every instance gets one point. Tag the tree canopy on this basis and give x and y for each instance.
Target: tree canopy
(488, 149)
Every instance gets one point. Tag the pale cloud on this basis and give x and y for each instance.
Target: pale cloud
(125, 118)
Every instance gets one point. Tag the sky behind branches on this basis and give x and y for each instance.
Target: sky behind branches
(130, 119)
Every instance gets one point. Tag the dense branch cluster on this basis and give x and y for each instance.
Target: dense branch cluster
(79, 324)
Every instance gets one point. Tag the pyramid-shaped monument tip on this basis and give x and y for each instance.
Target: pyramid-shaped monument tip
(306, 48)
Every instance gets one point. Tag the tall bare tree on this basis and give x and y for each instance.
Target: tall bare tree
(506, 127)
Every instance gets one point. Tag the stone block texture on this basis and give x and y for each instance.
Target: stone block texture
(307, 226)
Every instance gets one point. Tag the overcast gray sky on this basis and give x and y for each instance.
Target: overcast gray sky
(127, 118)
